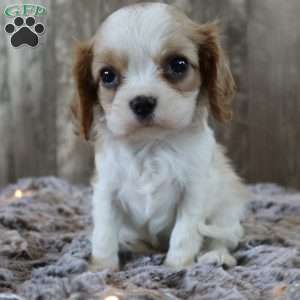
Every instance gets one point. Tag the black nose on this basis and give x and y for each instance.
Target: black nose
(143, 106)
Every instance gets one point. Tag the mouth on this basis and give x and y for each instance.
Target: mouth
(148, 122)
(150, 128)
(145, 127)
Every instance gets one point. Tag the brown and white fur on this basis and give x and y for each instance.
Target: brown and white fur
(164, 184)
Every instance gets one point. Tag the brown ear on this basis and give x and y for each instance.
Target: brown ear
(86, 88)
(216, 76)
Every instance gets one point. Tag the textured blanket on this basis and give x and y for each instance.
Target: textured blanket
(44, 250)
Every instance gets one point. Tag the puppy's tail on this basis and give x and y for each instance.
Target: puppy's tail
(230, 235)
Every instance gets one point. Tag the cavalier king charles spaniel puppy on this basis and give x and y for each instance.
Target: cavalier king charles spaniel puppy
(146, 84)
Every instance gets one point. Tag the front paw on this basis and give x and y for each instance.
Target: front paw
(99, 264)
(178, 260)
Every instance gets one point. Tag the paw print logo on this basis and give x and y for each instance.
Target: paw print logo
(24, 32)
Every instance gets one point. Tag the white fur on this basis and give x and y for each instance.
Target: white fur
(166, 186)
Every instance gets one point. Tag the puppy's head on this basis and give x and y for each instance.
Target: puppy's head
(149, 67)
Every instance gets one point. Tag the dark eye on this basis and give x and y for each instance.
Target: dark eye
(109, 77)
(176, 67)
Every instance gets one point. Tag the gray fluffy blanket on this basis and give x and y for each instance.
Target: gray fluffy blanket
(44, 251)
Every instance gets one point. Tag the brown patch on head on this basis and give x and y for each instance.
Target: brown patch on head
(189, 83)
(108, 58)
(216, 76)
(111, 58)
(86, 96)
(180, 46)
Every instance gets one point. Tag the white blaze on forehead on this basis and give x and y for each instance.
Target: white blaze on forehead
(136, 28)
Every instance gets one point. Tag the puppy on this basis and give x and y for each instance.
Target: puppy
(146, 83)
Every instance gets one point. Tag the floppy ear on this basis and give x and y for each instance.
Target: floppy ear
(216, 76)
(86, 89)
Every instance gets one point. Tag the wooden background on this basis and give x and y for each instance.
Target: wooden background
(262, 39)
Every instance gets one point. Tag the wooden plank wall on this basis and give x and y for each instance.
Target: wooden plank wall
(262, 39)
(274, 91)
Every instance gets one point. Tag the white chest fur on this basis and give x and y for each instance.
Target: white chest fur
(149, 180)
(149, 186)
